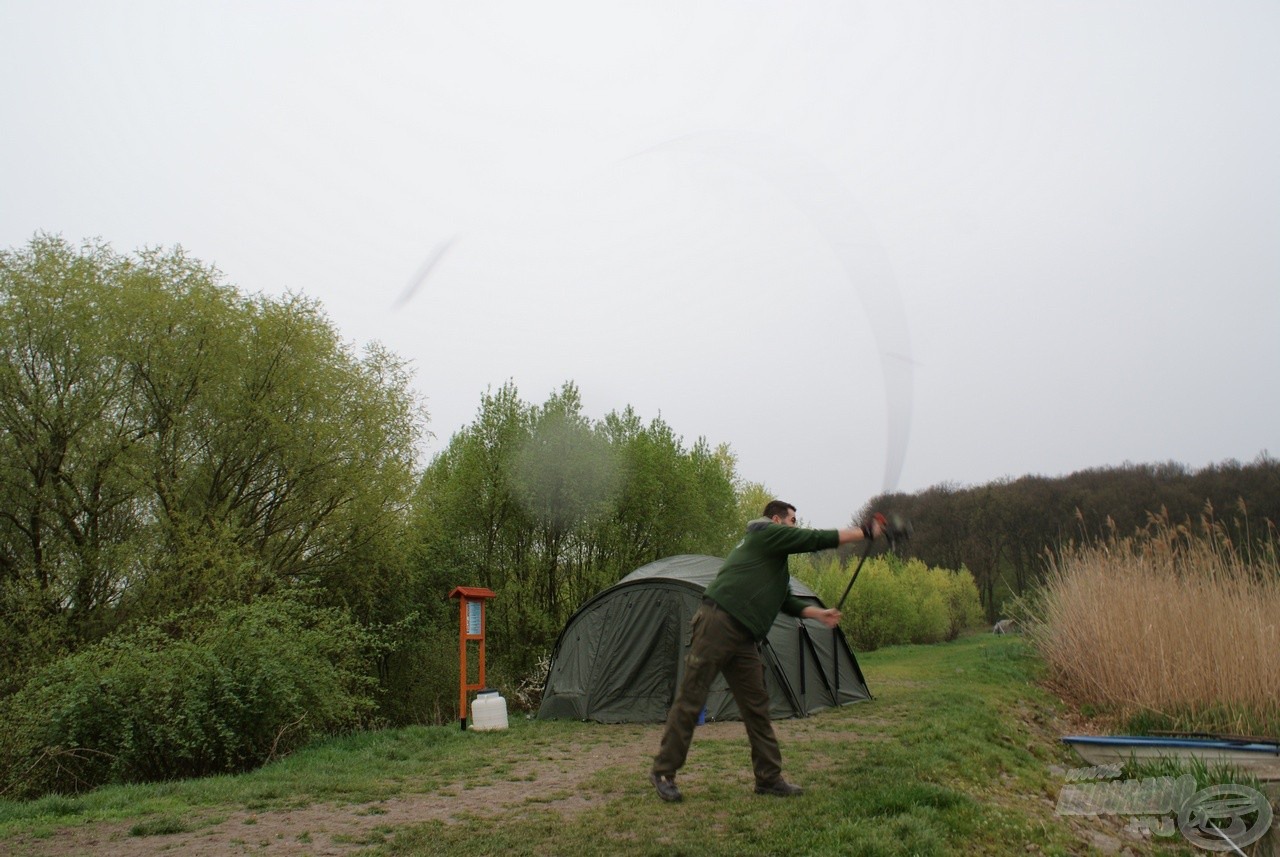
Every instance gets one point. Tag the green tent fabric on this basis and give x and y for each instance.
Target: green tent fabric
(620, 657)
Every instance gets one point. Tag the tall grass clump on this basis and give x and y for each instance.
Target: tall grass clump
(894, 601)
(1173, 628)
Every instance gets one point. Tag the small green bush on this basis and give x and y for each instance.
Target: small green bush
(419, 674)
(220, 692)
(31, 635)
(894, 601)
(964, 605)
(879, 612)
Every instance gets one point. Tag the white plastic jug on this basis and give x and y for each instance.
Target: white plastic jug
(488, 711)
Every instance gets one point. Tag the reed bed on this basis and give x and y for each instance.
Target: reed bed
(1173, 628)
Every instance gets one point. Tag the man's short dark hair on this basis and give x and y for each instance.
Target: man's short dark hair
(777, 507)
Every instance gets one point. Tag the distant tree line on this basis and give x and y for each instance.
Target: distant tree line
(1004, 530)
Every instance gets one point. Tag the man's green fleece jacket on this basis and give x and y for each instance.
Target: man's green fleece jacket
(754, 584)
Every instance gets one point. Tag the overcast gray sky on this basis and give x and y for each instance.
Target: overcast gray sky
(986, 238)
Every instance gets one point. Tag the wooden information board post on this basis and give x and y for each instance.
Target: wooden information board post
(471, 601)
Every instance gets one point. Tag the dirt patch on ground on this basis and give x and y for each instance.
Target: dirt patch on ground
(328, 829)
(556, 784)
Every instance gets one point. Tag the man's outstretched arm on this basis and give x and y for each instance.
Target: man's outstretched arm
(873, 530)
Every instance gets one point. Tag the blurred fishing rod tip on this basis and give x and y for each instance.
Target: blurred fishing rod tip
(424, 271)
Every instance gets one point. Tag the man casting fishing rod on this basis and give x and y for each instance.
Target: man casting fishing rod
(737, 611)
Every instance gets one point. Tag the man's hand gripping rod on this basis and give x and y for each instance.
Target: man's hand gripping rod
(866, 552)
(896, 530)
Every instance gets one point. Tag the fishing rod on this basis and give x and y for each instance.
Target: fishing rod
(894, 528)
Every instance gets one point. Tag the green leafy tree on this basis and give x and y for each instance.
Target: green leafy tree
(752, 498)
(166, 440)
(547, 507)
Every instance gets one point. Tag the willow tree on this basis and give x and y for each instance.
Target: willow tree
(166, 439)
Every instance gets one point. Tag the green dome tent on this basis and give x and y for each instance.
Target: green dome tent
(620, 657)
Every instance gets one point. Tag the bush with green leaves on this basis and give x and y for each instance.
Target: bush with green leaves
(894, 601)
(204, 692)
(418, 671)
(959, 590)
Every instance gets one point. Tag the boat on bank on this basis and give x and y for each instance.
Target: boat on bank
(1258, 756)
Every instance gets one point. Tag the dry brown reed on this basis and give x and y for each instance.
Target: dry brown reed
(1174, 627)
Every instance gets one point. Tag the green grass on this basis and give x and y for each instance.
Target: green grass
(158, 826)
(952, 757)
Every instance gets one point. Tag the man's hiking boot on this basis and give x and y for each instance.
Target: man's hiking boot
(666, 787)
(781, 788)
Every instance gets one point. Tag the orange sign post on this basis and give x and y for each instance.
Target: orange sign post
(471, 601)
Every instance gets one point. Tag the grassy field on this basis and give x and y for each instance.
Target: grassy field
(957, 754)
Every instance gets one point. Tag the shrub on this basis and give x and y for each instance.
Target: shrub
(419, 673)
(964, 606)
(222, 691)
(31, 634)
(894, 601)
